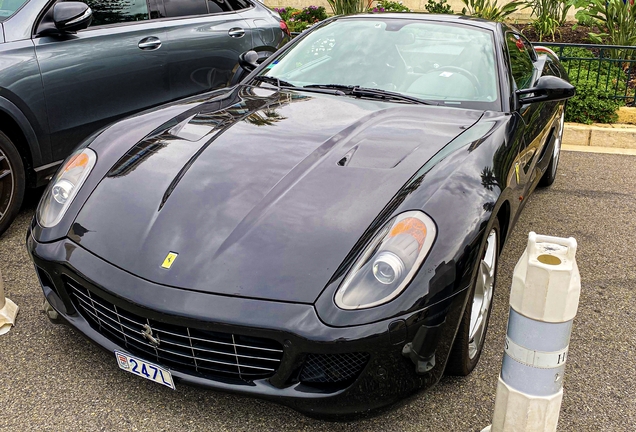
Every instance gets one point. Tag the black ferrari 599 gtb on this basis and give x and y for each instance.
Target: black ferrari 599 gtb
(326, 232)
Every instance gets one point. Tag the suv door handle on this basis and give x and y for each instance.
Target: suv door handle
(149, 43)
(236, 32)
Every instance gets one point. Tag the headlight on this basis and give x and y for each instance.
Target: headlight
(64, 187)
(388, 263)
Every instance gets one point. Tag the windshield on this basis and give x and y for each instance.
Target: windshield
(8, 7)
(448, 63)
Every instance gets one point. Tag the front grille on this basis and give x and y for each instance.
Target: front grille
(189, 350)
(333, 368)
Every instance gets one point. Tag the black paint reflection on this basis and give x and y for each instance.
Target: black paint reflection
(217, 116)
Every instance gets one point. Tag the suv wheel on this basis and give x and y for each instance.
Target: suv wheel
(12, 182)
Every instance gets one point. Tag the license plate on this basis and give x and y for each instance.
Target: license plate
(144, 369)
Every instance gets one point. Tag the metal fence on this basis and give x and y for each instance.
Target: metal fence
(610, 67)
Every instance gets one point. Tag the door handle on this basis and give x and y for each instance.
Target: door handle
(149, 43)
(236, 32)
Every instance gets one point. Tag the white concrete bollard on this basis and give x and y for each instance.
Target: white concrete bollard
(8, 311)
(543, 302)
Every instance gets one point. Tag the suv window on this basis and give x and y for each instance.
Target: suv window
(238, 4)
(117, 11)
(177, 8)
(520, 53)
(8, 7)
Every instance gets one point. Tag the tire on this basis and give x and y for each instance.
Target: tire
(12, 182)
(551, 171)
(471, 334)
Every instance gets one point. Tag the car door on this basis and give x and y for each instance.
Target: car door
(109, 70)
(204, 39)
(524, 74)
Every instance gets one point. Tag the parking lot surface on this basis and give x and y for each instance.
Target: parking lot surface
(51, 378)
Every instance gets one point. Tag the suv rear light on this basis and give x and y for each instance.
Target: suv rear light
(284, 28)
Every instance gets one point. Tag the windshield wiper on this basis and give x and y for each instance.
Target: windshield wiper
(331, 86)
(388, 95)
(273, 80)
(284, 84)
(371, 92)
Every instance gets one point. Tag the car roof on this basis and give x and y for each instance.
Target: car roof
(422, 16)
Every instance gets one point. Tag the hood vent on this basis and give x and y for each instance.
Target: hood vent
(345, 160)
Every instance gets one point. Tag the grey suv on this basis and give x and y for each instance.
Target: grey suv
(69, 68)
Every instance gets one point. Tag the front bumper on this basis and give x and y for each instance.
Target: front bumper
(386, 376)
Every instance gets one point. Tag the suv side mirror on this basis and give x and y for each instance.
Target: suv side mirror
(547, 88)
(248, 60)
(71, 16)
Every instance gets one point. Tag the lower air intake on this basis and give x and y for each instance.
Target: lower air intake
(333, 368)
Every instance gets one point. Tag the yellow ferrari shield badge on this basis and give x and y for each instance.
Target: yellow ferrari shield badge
(167, 263)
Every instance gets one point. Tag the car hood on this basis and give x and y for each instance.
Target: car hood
(261, 194)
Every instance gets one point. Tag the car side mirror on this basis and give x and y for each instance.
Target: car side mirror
(547, 88)
(71, 16)
(248, 60)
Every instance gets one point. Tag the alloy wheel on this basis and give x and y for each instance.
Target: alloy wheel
(482, 298)
(7, 184)
(557, 144)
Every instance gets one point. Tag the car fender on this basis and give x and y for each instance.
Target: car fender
(113, 141)
(471, 193)
(26, 128)
(451, 190)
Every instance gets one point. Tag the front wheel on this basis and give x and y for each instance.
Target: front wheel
(472, 329)
(12, 182)
(550, 173)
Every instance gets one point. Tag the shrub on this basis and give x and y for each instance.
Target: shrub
(286, 12)
(489, 10)
(605, 74)
(346, 7)
(550, 14)
(576, 52)
(313, 14)
(585, 21)
(438, 7)
(389, 6)
(616, 19)
(595, 85)
(298, 20)
(591, 104)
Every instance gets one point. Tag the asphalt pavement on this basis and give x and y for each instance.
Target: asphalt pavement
(51, 378)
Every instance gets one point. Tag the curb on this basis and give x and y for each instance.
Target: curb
(596, 149)
(626, 115)
(613, 136)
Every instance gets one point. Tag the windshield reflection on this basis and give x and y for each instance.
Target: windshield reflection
(447, 62)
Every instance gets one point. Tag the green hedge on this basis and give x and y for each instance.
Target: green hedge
(595, 88)
(591, 104)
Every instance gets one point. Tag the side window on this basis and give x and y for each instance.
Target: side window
(217, 6)
(117, 11)
(178, 8)
(238, 4)
(551, 69)
(9, 7)
(520, 53)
